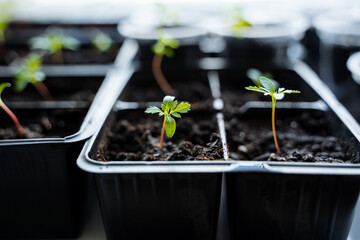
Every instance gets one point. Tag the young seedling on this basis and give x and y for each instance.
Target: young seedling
(9, 112)
(238, 23)
(102, 41)
(267, 87)
(5, 17)
(164, 46)
(53, 42)
(169, 109)
(30, 72)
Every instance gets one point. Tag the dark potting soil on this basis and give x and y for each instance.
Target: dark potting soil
(42, 123)
(190, 86)
(136, 137)
(302, 137)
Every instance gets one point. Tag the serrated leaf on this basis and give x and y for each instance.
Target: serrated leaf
(153, 109)
(170, 126)
(268, 84)
(173, 105)
(176, 115)
(256, 89)
(183, 107)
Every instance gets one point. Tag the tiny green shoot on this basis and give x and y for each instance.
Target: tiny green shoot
(53, 42)
(238, 23)
(164, 45)
(169, 109)
(9, 112)
(30, 72)
(267, 87)
(5, 17)
(102, 41)
(167, 15)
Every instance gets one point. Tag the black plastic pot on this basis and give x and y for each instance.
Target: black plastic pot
(142, 25)
(339, 38)
(43, 190)
(269, 37)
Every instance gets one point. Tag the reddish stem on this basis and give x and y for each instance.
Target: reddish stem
(57, 58)
(14, 118)
(44, 91)
(162, 136)
(159, 76)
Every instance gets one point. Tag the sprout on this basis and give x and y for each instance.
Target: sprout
(164, 46)
(30, 72)
(53, 43)
(267, 87)
(9, 112)
(238, 24)
(5, 17)
(169, 109)
(102, 41)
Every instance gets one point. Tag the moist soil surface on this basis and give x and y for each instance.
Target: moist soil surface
(302, 137)
(43, 123)
(136, 137)
(190, 86)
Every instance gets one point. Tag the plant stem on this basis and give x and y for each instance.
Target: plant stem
(162, 136)
(57, 58)
(44, 91)
(13, 117)
(273, 125)
(159, 76)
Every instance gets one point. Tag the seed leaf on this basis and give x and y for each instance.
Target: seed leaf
(170, 126)
(268, 84)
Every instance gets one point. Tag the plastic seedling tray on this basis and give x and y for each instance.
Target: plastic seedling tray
(43, 189)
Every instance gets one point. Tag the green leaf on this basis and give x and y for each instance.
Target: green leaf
(168, 99)
(289, 91)
(183, 107)
(268, 84)
(3, 86)
(170, 126)
(255, 89)
(176, 115)
(153, 109)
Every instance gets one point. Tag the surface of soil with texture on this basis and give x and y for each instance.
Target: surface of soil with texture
(302, 137)
(135, 136)
(43, 123)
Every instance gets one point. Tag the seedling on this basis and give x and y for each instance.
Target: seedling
(5, 17)
(267, 87)
(30, 72)
(255, 74)
(167, 15)
(9, 112)
(238, 23)
(102, 41)
(164, 46)
(53, 42)
(169, 109)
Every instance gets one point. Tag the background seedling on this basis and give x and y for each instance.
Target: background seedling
(167, 15)
(5, 17)
(30, 72)
(164, 46)
(169, 109)
(101, 41)
(53, 42)
(9, 112)
(267, 87)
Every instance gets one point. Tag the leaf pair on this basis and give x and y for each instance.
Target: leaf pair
(169, 109)
(267, 87)
(29, 72)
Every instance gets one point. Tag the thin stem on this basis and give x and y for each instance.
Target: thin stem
(57, 58)
(44, 91)
(162, 136)
(159, 76)
(13, 117)
(273, 125)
